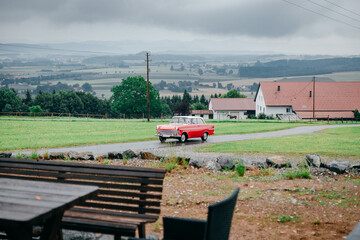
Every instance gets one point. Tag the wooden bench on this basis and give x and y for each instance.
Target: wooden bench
(128, 198)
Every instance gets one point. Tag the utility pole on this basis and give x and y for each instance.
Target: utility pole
(314, 98)
(148, 98)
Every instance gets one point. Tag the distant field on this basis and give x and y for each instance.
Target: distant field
(29, 134)
(337, 142)
(102, 80)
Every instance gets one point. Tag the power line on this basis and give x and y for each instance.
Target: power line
(334, 11)
(334, 19)
(342, 7)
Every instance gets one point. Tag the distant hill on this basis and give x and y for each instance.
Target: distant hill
(284, 68)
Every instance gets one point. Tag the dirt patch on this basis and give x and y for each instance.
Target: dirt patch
(268, 206)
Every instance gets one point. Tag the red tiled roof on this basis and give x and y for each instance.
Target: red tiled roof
(336, 99)
(236, 104)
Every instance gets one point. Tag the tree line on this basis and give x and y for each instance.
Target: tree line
(284, 68)
(129, 98)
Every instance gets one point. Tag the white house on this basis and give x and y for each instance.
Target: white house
(320, 100)
(267, 109)
(232, 108)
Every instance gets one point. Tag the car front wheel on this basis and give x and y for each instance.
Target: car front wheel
(183, 138)
(205, 136)
(162, 139)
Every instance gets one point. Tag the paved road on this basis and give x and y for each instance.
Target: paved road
(143, 146)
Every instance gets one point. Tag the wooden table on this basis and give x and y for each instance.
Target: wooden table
(26, 203)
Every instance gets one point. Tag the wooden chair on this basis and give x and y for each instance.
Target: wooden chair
(216, 227)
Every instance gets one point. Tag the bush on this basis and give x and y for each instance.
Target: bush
(356, 115)
(262, 116)
(35, 109)
(240, 168)
(297, 173)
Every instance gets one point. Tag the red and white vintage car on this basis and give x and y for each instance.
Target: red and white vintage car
(183, 128)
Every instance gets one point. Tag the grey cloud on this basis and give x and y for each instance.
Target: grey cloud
(260, 18)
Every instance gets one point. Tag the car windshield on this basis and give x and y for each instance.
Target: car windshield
(179, 120)
(184, 120)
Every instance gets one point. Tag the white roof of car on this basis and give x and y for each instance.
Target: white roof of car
(185, 117)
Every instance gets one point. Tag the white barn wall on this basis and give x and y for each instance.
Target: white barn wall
(260, 103)
(275, 110)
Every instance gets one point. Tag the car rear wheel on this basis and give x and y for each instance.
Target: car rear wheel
(162, 139)
(183, 138)
(205, 136)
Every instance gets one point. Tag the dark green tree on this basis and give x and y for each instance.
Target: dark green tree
(10, 102)
(92, 104)
(233, 94)
(203, 100)
(130, 97)
(186, 97)
(70, 102)
(28, 100)
(183, 109)
(45, 101)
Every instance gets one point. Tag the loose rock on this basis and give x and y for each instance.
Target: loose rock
(197, 162)
(5, 155)
(115, 155)
(338, 167)
(226, 162)
(149, 156)
(278, 162)
(314, 160)
(259, 164)
(56, 155)
(212, 165)
(130, 154)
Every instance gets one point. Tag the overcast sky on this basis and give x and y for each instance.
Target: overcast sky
(278, 26)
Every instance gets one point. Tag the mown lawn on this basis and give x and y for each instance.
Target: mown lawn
(27, 133)
(331, 142)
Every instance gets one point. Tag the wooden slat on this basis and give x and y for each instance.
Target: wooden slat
(55, 174)
(123, 229)
(119, 172)
(119, 207)
(147, 218)
(83, 165)
(127, 201)
(107, 217)
(131, 194)
(101, 185)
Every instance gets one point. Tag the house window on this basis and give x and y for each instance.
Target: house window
(288, 110)
(310, 94)
(278, 88)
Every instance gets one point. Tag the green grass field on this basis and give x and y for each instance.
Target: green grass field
(27, 133)
(341, 142)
